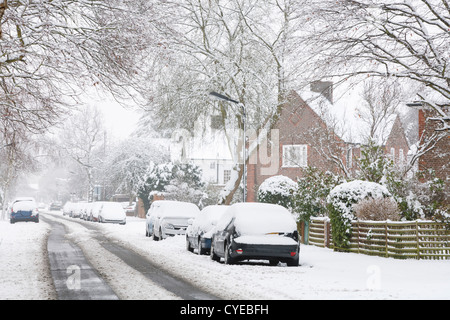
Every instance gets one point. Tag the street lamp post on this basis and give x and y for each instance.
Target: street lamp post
(244, 143)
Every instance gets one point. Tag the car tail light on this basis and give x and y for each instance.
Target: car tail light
(293, 253)
(239, 251)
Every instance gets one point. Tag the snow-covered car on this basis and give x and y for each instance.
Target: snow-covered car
(112, 212)
(86, 211)
(95, 209)
(57, 205)
(171, 217)
(256, 231)
(24, 209)
(77, 210)
(67, 208)
(150, 218)
(199, 230)
(129, 208)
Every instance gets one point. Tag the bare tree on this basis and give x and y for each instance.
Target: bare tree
(232, 47)
(80, 137)
(51, 50)
(381, 98)
(409, 40)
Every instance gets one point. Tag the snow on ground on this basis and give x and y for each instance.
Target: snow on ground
(24, 273)
(323, 273)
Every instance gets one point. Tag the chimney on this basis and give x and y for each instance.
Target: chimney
(325, 88)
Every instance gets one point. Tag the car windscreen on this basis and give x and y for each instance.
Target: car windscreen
(264, 222)
(25, 205)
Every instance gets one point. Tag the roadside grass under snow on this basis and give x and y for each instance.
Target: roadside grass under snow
(322, 274)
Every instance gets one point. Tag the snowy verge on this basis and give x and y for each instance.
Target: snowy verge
(322, 274)
(24, 272)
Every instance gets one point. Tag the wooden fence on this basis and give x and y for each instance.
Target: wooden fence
(400, 240)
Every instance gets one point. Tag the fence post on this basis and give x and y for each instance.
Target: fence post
(386, 239)
(327, 229)
(357, 229)
(306, 238)
(417, 240)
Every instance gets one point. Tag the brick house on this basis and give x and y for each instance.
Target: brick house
(397, 145)
(307, 138)
(437, 159)
(304, 139)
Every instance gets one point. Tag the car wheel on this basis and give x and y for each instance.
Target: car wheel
(154, 236)
(188, 246)
(200, 248)
(212, 254)
(293, 262)
(228, 258)
(273, 262)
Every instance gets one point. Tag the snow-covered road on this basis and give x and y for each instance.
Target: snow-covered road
(323, 274)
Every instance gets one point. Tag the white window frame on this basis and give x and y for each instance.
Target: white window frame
(301, 153)
(401, 157)
(226, 176)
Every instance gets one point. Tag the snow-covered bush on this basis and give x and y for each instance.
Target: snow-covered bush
(277, 190)
(312, 191)
(340, 206)
(175, 181)
(377, 209)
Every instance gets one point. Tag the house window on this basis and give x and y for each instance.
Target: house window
(349, 158)
(393, 154)
(401, 157)
(212, 165)
(226, 176)
(295, 155)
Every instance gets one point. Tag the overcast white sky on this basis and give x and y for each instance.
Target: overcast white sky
(119, 121)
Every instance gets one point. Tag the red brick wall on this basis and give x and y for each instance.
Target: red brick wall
(437, 158)
(295, 125)
(397, 140)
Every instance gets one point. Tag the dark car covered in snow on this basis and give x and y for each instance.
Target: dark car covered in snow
(256, 231)
(24, 209)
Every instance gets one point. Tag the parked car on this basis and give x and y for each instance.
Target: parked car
(86, 211)
(24, 209)
(199, 230)
(112, 212)
(77, 210)
(171, 218)
(67, 208)
(129, 208)
(57, 205)
(150, 218)
(95, 209)
(256, 231)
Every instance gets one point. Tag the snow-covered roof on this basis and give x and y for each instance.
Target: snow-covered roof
(345, 114)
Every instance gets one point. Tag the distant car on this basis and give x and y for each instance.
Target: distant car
(172, 218)
(256, 231)
(24, 209)
(95, 209)
(86, 211)
(129, 208)
(67, 208)
(77, 210)
(199, 231)
(112, 212)
(150, 218)
(55, 205)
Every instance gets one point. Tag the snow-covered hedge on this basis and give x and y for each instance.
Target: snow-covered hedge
(340, 206)
(277, 190)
